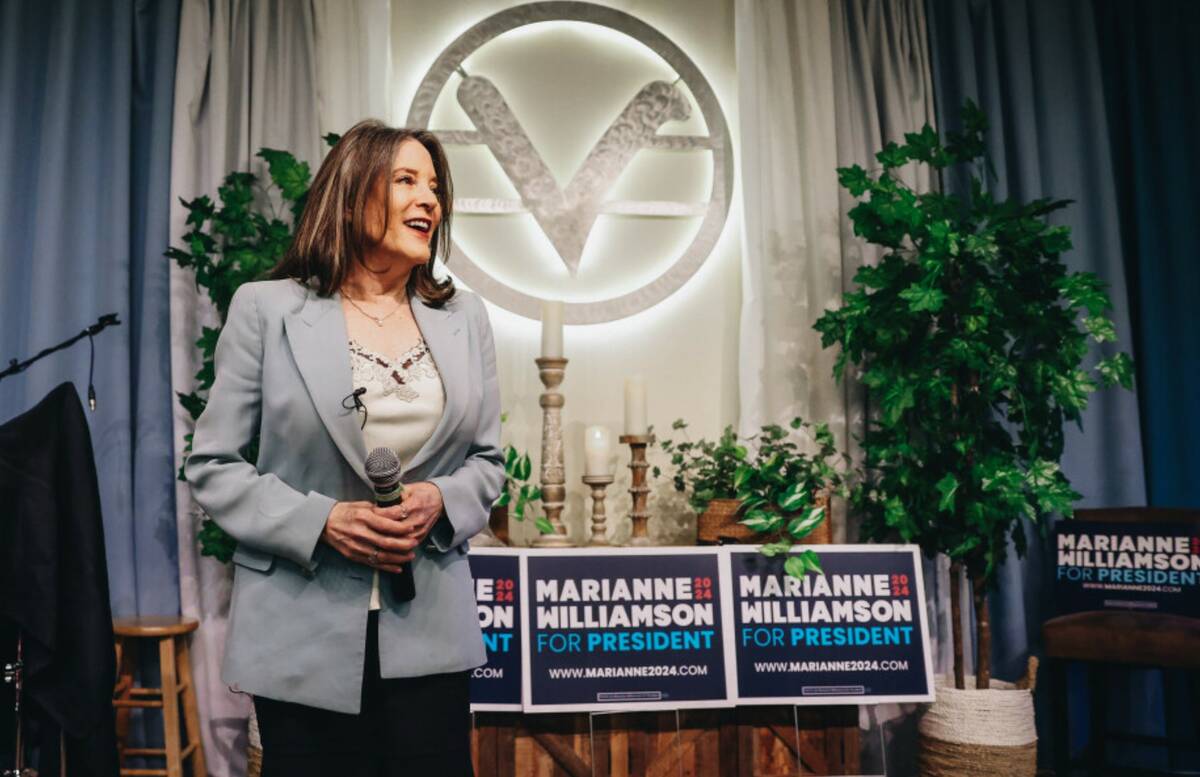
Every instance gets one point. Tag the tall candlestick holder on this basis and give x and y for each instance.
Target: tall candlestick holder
(638, 488)
(598, 484)
(554, 490)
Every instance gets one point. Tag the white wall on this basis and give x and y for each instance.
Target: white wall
(565, 85)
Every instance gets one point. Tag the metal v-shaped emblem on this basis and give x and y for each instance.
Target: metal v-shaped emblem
(567, 215)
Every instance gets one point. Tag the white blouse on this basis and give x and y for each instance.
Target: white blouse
(404, 400)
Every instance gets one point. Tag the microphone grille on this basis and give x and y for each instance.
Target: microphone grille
(383, 465)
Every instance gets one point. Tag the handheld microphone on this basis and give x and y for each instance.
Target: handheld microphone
(383, 470)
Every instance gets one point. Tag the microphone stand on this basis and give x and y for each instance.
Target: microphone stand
(101, 324)
(12, 674)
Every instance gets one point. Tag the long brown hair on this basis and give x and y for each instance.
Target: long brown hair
(327, 242)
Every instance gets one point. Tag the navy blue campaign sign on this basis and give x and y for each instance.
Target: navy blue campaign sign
(1127, 566)
(855, 635)
(496, 686)
(623, 628)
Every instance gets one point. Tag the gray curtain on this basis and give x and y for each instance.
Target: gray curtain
(85, 137)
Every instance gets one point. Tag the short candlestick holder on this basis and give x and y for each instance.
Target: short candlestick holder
(554, 490)
(598, 484)
(638, 488)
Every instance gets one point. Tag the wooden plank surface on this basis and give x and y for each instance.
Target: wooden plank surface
(738, 742)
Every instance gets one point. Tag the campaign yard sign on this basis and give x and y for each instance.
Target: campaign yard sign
(1127, 566)
(856, 634)
(496, 686)
(623, 629)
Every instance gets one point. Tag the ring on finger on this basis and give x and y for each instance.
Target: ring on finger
(374, 557)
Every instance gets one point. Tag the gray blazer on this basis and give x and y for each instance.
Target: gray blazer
(298, 618)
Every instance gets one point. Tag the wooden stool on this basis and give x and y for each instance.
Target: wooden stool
(1105, 640)
(175, 667)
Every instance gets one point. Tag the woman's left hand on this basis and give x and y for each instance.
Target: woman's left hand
(418, 511)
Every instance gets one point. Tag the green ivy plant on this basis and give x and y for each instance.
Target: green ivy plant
(518, 491)
(971, 336)
(778, 487)
(704, 466)
(227, 245)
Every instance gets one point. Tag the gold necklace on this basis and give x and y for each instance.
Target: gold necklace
(377, 319)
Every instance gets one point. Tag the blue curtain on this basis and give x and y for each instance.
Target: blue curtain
(85, 129)
(1152, 80)
(1074, 115)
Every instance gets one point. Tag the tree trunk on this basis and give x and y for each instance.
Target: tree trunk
(983, 625)
(956, 627)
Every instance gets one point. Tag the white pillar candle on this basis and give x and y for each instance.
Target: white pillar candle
(635, 405)
(597, 450)
(552, 329)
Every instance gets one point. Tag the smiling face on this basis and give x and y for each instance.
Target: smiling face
(413, 212)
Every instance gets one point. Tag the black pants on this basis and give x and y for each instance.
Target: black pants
(408, 727)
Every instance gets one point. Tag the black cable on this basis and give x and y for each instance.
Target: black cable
(101, 324)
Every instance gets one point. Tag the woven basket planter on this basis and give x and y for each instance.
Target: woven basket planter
(977, 733)
(719, 524)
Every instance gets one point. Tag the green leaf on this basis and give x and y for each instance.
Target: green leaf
(791, 500)
(760, 521)
(215, 542)
(923, 298)
(800, 564)
(524, 468)
(1116, 370)
(804, 525)
(893, 155)
(503, 500)
(775, 548)
(1085, 290)
(543, 524)
(1071, 390)
(795, 566)
(1100, 328)
(947, 486)
(854, 179)
(742, 476)
(291, 176)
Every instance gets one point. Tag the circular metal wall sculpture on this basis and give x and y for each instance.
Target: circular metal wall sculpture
(566, 215)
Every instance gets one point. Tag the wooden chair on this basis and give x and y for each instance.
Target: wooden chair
(177, 686)
(1108, 639)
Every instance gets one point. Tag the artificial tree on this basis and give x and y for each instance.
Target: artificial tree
(228, 245)
(971, 336)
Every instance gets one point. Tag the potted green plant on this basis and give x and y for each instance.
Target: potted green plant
(517, 494)
(972, 338)
(780, 493)
(785, 492)
(706, 469)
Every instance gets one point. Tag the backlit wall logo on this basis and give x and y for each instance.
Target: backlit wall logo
(566, 214)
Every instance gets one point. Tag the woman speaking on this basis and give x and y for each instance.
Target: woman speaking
(352, 345)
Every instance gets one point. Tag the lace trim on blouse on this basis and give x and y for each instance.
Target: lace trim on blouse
(392, 376)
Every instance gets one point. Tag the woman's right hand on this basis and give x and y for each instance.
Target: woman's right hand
(357, 531)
